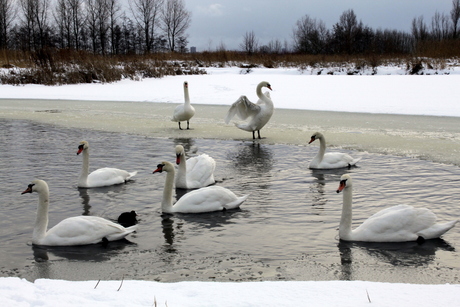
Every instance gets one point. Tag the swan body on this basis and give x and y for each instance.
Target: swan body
(206, 199)
(102, 177)
(400, 223)
(259, 113)
(329, 160)
(79, 230)
(194, 173)
(184, 112)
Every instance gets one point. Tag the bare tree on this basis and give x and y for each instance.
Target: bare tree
(175, 21)
(35, 22)
(250, 43)
(455, 17)
(440, 26)
(63, 22)
(98, 24)
(146, 13)
(113, 11)
(310, 35)
(7, 15)
(419, 29)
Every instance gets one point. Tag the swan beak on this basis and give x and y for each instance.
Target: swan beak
(80, 149)
(177, 159)
(28, 190)
(312, 140)
(158, 170)
(342, 186)
(269, 87)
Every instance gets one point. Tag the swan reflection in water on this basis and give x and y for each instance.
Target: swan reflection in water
(400, 254)
(252, 157)
(317, 191)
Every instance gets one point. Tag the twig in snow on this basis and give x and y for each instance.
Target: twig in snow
(368, 298)
(97, 284)
(122, 278)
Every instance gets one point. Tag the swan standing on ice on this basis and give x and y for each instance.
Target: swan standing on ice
(194, 173)
(207, 199)
(329, 160)
(101, 177)
(184, 111)
(78, 230)
(401, 223)
(260, 112)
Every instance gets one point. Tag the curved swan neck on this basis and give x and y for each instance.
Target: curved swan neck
(84, 169)
(347, 215)
(41, 221)
(167, 201)
(261, 95)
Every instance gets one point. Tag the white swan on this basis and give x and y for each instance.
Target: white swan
(79, 230)
(395, 224)
(260, 113)
(101, 177)
(184, 111)
(329, 160)
(194, 173)
(207, 199)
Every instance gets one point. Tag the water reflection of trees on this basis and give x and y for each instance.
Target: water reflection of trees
(187, 143)
(397, 254)
(317, 190)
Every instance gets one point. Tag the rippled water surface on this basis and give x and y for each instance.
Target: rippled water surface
(286, 230)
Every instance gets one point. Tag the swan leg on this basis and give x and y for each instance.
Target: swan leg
(258, 134)
(188, 124)
(179, 126)
(253, 135)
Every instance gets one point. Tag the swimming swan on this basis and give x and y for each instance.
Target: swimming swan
(260, 113)
(207, 199)
(400, 223)
(78, 230)
(196, 172)
(184, 112)
(101, 177)
(329, 160)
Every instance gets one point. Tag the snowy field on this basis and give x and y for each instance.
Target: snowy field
(390, 91)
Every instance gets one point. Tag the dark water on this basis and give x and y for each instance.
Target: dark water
(286, 230)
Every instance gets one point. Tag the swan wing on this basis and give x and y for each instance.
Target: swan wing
(81, 230)
(243, 108)
(108, 176)
(208, 199)
(396, 224)
(336, 160)
(200, 171)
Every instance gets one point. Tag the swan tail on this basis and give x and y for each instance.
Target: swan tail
(131, 175)
(437, 230)
(237, 203)
(355, 161)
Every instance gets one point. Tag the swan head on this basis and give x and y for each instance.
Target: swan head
(36, 186)
(316, 136)
(164, 166)
(185, 84)
(345, 182)
(179, 152)
(265, 84)
(83, 146)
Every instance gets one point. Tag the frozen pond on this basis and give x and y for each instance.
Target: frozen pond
(286, 230)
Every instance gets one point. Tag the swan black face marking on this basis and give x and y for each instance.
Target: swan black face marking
(80, 149)
(29, 189)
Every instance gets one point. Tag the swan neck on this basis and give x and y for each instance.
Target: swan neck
(181, 177)
(186, 96)
(263, 97)
(41, 221)
(84, 169)
(167, 201)
(347, 215)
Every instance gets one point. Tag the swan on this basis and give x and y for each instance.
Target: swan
(329, 160)
(127, 219)
(260, 112)
(184, 111)
(206, 199)
(78, 230)
(196, 172)
(400, 223)
(101, 177)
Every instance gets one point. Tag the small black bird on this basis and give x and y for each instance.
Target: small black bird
(127, 219)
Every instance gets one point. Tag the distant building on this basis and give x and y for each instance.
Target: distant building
(192, 49)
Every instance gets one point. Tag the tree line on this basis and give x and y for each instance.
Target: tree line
(350, 36)
(98, 26)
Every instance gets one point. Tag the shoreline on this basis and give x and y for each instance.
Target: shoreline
(435, 138)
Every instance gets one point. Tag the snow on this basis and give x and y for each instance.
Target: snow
(390, 91)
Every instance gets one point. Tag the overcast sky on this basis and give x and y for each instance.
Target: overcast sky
(216, 22)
